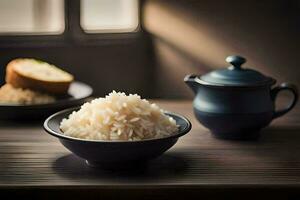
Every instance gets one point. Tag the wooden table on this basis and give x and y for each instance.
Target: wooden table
(36, 164)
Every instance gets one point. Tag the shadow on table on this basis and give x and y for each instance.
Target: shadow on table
(268, 135)
(274, 154)
(286, 134)
(21, 123)
(169, 165)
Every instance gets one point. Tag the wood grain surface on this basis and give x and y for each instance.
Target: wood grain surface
(31, 160)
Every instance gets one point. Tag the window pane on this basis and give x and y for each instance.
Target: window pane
(99, 16)
(31, 17)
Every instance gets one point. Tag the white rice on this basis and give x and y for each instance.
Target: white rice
(119, 117)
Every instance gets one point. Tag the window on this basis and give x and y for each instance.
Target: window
(47, 17)
(33, 17)
(100, 16)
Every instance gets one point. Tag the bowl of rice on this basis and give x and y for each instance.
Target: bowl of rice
(117, 129)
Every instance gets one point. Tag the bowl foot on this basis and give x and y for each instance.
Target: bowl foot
(117, 165)
(92, 164)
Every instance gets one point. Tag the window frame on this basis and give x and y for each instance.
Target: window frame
(73, 32)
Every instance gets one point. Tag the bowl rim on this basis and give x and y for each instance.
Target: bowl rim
(60, 136)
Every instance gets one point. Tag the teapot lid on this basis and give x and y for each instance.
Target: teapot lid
(235, 75)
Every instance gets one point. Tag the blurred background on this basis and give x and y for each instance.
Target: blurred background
(148, 46)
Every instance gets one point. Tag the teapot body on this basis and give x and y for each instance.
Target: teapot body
(234, 113)
(236, 102)
(233, 100)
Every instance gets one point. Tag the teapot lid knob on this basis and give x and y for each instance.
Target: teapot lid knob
(235, 61)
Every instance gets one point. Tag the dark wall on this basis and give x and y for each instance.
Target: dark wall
(192, 36)
(188, 36)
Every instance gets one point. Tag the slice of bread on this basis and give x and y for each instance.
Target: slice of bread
(37, 75)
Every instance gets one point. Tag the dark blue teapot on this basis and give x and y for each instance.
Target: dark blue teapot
(235, 102)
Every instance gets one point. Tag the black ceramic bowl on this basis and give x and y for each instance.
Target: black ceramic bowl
(115, 153)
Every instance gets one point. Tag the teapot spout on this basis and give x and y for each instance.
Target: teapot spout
(190, 80)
